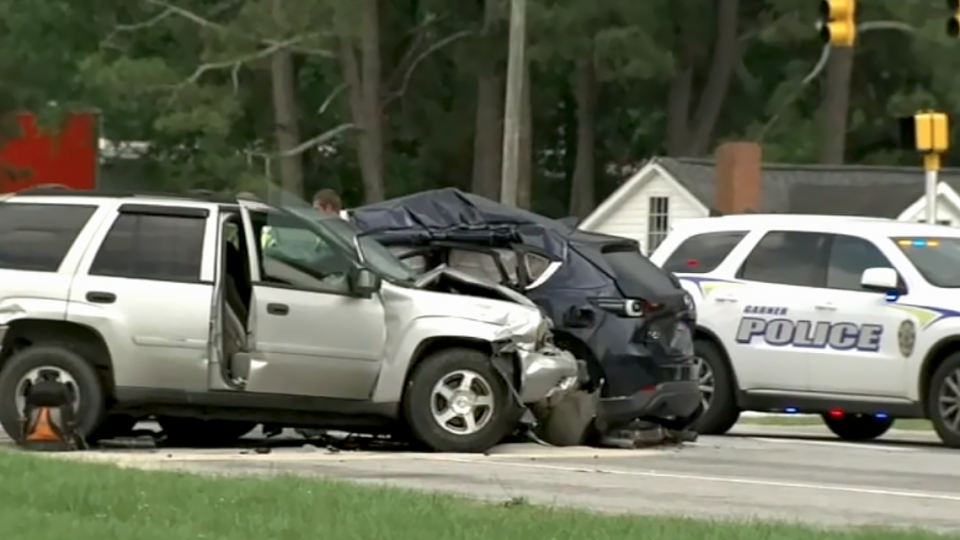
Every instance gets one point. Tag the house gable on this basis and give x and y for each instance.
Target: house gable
(652, 171)
(626, 211)
(948, 207)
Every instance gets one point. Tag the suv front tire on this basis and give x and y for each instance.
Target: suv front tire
(456, 401)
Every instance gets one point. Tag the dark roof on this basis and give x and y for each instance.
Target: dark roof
(852, 190)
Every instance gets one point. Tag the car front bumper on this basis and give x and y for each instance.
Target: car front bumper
(548, 373)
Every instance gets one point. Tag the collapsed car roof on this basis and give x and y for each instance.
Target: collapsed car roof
(452, 215)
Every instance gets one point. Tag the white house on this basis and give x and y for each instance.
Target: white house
(664, 191)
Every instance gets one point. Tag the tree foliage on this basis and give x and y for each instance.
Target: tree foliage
(377, 98)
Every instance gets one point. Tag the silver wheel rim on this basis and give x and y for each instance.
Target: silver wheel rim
(33, 376)
(949, 401)
(462, 402)
(705, 381)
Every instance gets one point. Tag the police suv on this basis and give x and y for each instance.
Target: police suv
(855, 319)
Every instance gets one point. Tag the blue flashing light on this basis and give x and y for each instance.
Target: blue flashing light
(919, 243)
(791, 410)
(881, 416)
(893, 296)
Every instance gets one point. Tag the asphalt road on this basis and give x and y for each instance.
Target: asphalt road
(795, 474)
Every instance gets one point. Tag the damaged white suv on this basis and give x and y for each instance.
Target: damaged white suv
(214, 315)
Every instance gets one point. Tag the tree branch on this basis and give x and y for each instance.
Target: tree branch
(333, 95)
(420, 58)
(235, 63)
(318, 140)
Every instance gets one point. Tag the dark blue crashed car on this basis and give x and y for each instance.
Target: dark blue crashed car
(629, 320)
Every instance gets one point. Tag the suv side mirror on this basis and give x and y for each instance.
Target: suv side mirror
(881, 280)
(364, 283)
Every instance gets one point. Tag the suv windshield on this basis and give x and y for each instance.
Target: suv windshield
(937, 259)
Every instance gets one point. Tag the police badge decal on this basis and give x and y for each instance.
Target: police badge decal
(907, 337)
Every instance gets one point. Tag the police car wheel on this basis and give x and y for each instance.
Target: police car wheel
(858, 427)
(456, 401)
(943, 401)
(718, 412)
(84, 379)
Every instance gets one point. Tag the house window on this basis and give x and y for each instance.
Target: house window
(658, 222)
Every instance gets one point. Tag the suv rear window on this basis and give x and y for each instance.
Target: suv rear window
(637, 276)
(702, 253)
(36, 237)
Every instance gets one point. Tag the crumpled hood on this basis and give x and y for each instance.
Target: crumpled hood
(486, 302)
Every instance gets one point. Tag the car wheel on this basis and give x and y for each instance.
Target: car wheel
(943, 401)
(718, 406)
(858, 427)
(456, 401)
(23, 370)
(195, 432)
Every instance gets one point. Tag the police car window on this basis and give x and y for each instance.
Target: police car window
(702, 253)
(937, 259)
(849, 257)
(788, 258)
(36, 237)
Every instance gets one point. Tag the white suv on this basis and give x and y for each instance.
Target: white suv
(856, 319)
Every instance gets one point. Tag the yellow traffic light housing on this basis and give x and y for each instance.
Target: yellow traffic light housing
(838, 22)
(926, 132)
(953, 23)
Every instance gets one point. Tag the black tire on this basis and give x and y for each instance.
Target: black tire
(722, 412)
(89, 386)
(938, 386)
(418, 412)
(198, 433)
(858, 427)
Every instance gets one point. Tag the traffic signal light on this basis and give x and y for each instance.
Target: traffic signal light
(926, 132)
(953, 23)
(838, 22)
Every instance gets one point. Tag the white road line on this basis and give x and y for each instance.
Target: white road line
(862, 490)
(838, 444)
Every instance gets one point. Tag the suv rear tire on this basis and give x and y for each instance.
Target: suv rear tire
(89, 386)
(858, 427)
(195, 432)
(446, 389)
(721, 411)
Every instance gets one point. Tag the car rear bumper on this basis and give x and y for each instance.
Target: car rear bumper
(667, 401)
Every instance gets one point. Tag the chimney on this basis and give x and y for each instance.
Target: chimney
(739, 174)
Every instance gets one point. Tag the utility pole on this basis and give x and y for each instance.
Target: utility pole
(928, 133)
(512, 116)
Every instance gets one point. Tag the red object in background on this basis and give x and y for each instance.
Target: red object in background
(67, 158)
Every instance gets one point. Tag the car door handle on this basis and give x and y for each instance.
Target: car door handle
(100, 297)
(727, 298)
(826, 307)
(278, 309)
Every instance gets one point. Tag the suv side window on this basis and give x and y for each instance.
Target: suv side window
(788, 258)
(146, 246)
(294, 255)
(849, 257)
(36, 237)
(702, 253)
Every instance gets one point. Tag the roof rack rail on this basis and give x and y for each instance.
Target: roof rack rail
(203, 195)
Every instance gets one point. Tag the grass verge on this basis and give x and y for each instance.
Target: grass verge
(49, 499)
(811, 420)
